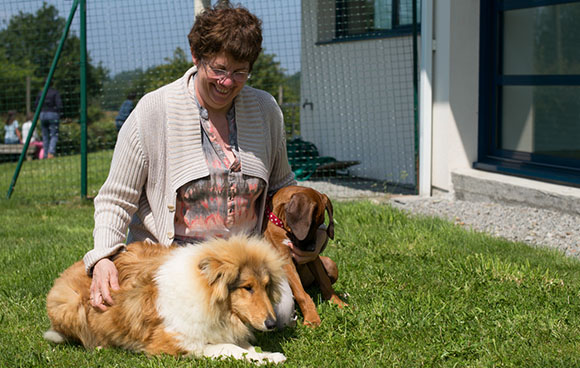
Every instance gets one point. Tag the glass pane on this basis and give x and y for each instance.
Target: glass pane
(355, 17)
(383, 12)
(541, 119)
(406, 12)
(542, 40)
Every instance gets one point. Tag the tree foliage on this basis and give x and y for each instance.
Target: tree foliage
(27, 48)
(266, 75)
(28, 45)
(163, 74)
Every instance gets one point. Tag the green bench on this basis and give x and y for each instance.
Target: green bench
(306, 162)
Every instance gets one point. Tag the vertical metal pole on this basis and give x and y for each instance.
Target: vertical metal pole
(42, 97)
(415, 95)
(426, 99)
(83, 62)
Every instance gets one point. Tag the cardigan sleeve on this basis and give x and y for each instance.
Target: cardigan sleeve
(118, 198)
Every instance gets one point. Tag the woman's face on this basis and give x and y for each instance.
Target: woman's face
(216, 92)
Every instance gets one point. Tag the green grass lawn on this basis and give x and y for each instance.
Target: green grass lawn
(422, 292)
(54, 180)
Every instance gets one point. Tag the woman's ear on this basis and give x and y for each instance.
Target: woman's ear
(194, 59)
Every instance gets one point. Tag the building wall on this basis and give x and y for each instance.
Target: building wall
(455, 88)
(361, 95)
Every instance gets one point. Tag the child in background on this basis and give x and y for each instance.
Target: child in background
(38, 152)
(26, 128)
(11, 133)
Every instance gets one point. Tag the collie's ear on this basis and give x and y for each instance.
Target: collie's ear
(219, 275)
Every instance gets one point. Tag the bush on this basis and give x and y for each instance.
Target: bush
(101, 135)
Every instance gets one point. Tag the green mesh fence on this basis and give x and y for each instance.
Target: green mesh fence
(342, 72)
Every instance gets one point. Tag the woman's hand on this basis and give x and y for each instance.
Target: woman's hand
(105, 278)
(302, 257)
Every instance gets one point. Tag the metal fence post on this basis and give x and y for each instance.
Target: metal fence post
(415, 95)
(83, 77)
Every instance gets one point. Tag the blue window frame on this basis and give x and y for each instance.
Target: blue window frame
(360, 19)
(529, 116)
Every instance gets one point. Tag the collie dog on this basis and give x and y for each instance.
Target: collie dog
(203, 300)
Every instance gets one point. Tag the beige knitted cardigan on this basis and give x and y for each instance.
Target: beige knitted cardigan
(159, 149)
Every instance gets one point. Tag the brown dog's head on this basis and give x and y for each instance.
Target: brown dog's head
(305, 213)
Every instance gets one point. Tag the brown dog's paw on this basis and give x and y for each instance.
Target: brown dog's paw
(336, 300)
(311, 319)
(312, 323)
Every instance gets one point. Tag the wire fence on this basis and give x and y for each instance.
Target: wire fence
(341, 71)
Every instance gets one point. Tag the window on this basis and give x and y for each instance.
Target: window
(374, 18)
(530, 89)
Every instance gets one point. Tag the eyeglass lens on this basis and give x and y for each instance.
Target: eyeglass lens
(222, 74)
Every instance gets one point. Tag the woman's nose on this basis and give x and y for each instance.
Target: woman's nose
(227, 81)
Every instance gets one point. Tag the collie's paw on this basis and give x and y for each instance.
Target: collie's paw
(53, 336)
(276, 357)
(263, 357)
(249, 353)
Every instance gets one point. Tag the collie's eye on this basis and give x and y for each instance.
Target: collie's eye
(248, 288)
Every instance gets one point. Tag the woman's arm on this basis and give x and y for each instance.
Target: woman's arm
(119, 196)
(115, 204)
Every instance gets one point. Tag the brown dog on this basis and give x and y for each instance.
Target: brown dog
(295, 215)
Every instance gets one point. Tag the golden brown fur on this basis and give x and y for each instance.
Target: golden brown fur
(202, 300)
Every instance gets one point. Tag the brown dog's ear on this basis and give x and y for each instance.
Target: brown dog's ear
(328, 205)
(299, 213)
(219, 276)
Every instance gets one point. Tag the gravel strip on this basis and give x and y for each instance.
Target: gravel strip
(530, 225)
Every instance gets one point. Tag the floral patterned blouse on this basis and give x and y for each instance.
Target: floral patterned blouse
(224, 203)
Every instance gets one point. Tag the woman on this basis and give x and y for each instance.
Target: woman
(11, 132)
(196, 158)
(50, 120)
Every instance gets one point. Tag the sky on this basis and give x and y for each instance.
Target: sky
(128, 34)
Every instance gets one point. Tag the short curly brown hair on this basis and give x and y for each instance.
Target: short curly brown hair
(229, 29)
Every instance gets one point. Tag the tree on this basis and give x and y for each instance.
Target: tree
(115, 90)
(29, 44)
(33, 38)
(163, 74)
(13, 79)
(266, 75)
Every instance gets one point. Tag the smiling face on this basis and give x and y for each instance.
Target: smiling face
(214, 93)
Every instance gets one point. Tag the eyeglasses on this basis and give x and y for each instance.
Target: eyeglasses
(220, 74)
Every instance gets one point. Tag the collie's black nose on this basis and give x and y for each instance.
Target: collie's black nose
(271, 323)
